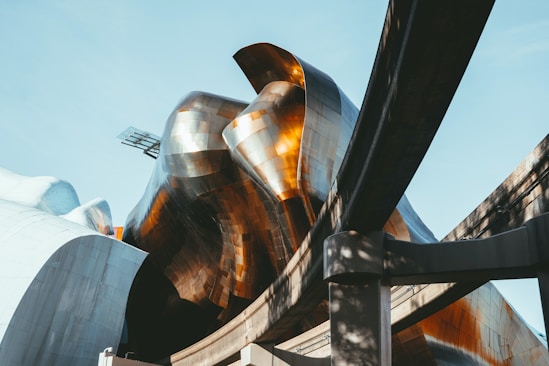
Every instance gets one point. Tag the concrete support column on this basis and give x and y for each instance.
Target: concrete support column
(543, 281)
(256, 355)
(360, 311)
(360, 324)
(538, 236)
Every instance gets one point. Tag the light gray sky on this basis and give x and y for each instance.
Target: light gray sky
(74, 74)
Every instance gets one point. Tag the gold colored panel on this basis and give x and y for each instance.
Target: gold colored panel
(236, 185)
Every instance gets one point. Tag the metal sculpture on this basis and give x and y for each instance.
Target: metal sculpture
(236, 187)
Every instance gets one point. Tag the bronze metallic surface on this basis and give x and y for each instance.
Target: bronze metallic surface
(206, 224)
(265, 139)
(266, 136)
(330, 117)
(423, 52)
(236, 188)
(481, 328)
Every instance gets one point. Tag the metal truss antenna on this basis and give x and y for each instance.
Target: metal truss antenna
(146, 141)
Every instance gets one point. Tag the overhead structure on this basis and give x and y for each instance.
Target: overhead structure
(263, 219)
(237, 186)
(295, 151)
(146, 141)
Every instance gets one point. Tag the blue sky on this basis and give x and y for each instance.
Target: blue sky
(74, 74)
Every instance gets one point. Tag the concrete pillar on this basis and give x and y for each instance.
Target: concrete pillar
(543, 281)
(538, 236)
(360, 305)
(256, 355)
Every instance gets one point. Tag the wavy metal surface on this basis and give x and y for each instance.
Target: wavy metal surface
(236, 186)
(424, 50)
(208, 227)
(265, 139)
(330, 116)
(65, 288)
(481, 328)
(279, 157)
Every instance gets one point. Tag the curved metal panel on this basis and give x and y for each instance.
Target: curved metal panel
(208, 227)
(329, 115)
(236, 186)
(68, 299)
(265, 138)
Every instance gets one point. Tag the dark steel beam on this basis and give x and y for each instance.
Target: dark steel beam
(360, 276)
(519, 253)
(498, 257)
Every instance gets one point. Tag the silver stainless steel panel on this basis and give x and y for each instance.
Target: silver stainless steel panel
(237, 186)
(329, 121)
(66, 288)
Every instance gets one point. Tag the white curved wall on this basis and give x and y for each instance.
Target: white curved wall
(64, 288)
(57, 197)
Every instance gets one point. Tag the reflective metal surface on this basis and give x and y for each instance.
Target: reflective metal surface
(265, 139)
(65, 288)
(207, 225)
(481, 328)
(330, 116)
(237, 186)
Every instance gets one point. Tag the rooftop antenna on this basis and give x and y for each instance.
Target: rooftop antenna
(146, 141)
